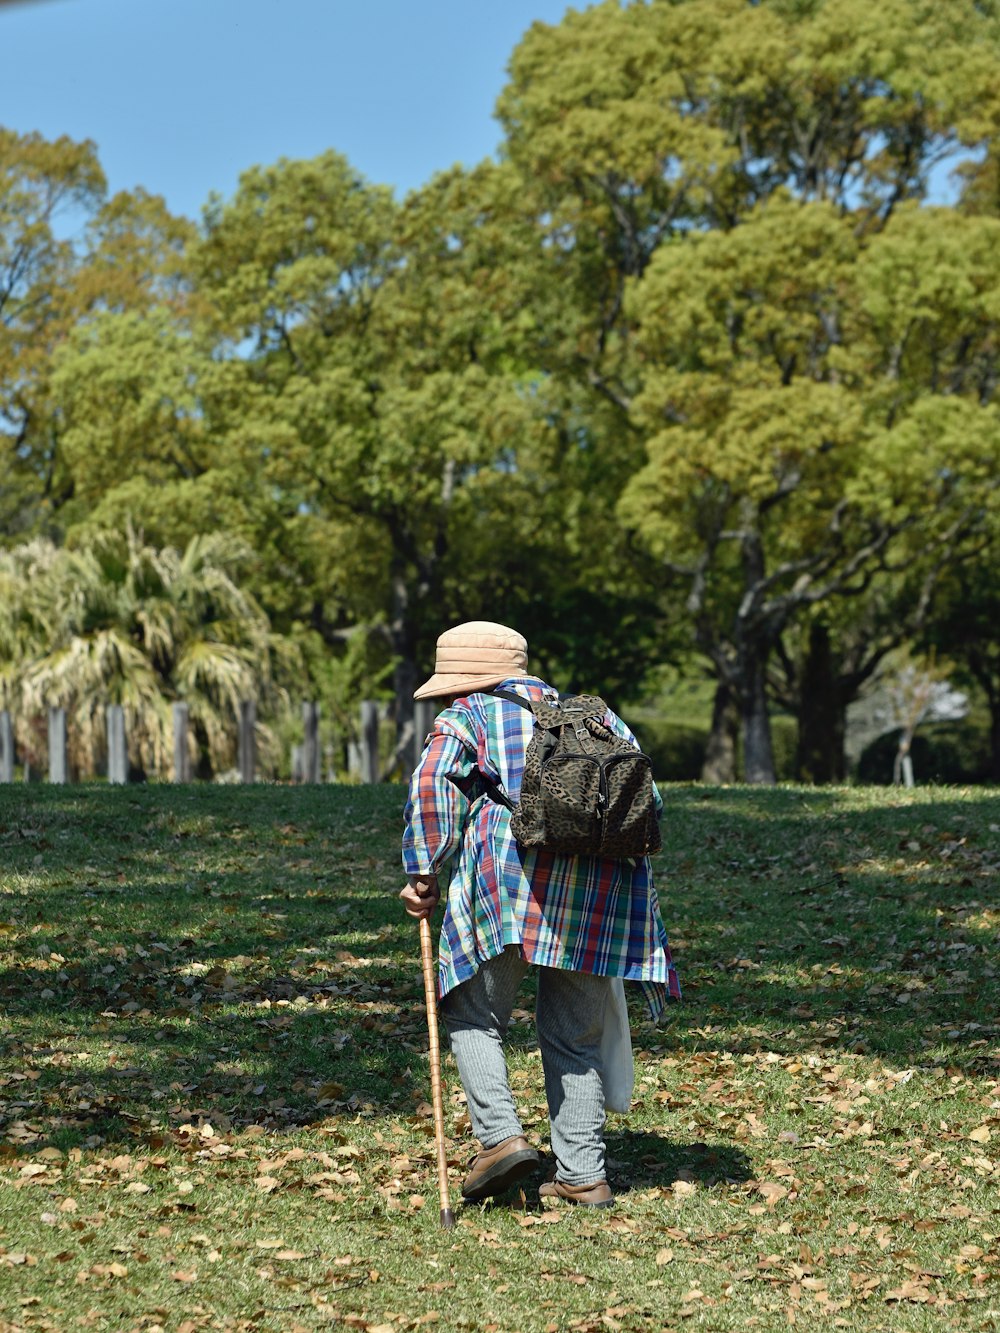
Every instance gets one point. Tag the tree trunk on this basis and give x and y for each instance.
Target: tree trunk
(403, 641)
(404, 682)
(985, 671)
(720, 753)
(758, 754)
(822, 715)
(995, 735)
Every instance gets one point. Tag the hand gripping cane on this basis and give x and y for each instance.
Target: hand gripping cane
(430, 995)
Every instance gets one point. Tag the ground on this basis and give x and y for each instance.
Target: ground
(215, 1087)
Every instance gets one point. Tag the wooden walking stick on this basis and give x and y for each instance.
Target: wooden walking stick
(430, 995)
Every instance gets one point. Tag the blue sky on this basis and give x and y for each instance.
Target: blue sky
(182, 95)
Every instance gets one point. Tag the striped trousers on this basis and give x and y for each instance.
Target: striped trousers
(569, 1017)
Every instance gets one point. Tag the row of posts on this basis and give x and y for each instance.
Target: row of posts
(363, 756)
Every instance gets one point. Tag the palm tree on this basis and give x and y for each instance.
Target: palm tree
(122, 622)
(22, 637)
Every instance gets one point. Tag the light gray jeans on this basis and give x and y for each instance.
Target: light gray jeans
(569, 1016)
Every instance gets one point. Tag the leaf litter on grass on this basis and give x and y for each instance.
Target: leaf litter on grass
(214, 1080)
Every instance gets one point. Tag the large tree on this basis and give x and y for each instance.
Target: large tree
(366, 388)
(766, 406)
(55, 278)
(964, 628)
(353, 387)
(811, 401)
(390, 351)
(40, 181)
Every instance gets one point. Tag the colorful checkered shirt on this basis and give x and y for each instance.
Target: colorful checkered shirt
(583, 913)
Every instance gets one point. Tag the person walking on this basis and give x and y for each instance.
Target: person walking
(580, 920)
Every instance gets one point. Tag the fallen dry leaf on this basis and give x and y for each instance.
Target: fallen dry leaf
(772, 1192)
(910, 1291)
(109, 1270)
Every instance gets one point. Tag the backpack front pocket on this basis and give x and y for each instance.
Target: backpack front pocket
(573, 801)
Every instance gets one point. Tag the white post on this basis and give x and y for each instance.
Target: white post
(369, 741)
(117, 746)
(6, 747)
(58, 759)
(310, 749)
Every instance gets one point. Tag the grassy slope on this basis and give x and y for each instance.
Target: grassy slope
(213, 1075)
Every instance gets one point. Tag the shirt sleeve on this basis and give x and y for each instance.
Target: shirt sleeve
(437, 807)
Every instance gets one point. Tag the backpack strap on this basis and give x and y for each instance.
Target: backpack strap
(493, 789)
(495, 792)
(512, 697)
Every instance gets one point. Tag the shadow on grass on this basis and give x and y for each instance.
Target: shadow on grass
(185, 953)
(638, 1159)
(805, 919)
(641, 1160)
(182, 955)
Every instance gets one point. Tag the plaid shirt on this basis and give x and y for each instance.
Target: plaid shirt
(583, 913)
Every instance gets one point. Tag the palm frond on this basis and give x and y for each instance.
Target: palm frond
(121, 622)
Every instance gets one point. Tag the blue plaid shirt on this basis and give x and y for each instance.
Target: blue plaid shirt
(584, 913)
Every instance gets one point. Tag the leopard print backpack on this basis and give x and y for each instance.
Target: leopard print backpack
(585, 791)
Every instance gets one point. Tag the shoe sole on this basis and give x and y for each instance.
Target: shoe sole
(503, 1174)
(576, 1203)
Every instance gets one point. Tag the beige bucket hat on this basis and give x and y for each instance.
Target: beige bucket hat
(475, 656)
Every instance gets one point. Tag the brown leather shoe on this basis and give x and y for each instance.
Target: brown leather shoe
(597, 1195)
(496, 1169)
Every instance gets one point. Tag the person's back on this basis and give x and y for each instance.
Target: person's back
(580, 919)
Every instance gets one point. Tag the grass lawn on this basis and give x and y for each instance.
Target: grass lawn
(214, 1085)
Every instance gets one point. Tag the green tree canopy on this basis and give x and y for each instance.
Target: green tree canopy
(693, 364)
(724, 200)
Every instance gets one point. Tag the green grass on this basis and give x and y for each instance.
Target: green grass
(213, 1074)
